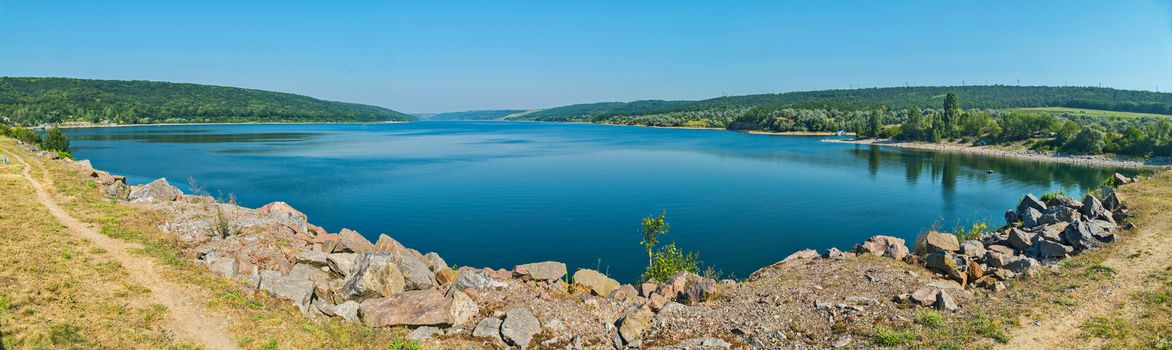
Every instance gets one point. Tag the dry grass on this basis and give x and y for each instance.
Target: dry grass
(258, 321)
(57, 291)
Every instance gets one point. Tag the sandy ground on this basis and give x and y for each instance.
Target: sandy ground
(1023, 154)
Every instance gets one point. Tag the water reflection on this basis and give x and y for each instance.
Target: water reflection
(189, 136)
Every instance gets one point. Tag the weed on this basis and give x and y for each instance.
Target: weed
(65, 334)
(404, 344)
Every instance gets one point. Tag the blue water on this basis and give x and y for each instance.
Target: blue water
(501, 193)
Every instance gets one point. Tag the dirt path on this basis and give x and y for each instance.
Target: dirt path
(187, 316)
(1063, 330)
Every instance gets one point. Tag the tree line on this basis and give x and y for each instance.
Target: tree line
(37, 101)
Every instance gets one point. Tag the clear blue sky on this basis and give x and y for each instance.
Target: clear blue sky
(431, 56)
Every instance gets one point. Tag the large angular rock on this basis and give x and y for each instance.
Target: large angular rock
(297, 290)
(157, 191)
(632, 325)
(596, 282)
(698, 290)
(1111, 201)
(973, 249)
(951, 265)
(1059, 213)
(1020, 239)
(1120, 179)
(1021, 264)
(374, 276)
(286, 213)
(1081, 236)
(313, 258)
(940, 242)
(489, 327)
(1031, 218)
(519, 327)
(888, 246)
(415, 272)
(1047, 249)
(476, 280)
(435, 262)
(1092, 207)
(541, 271)
(341, 263)
(1029, 201)
(349, 241)
(418, 308)
(805, 254)
(1065, 201)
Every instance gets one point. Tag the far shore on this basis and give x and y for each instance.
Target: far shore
(1096, 160)
(103, 125)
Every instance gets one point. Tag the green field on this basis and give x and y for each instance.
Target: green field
(1091, 112)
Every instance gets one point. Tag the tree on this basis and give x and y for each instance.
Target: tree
(951, 114)
(913, 128)
(875, 122)
(55, 140)
(653, 227)
(1088, 141)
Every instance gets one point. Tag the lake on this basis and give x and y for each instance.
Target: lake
(504, 193)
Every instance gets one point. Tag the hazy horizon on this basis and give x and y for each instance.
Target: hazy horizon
(460, 56)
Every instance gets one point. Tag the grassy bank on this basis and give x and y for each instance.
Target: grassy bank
(87, 300)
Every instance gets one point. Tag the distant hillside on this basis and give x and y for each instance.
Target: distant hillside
(994, 97)
(477, 115)
(32, 101)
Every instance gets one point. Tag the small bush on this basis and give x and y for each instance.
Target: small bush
(669, 260)
(1049, 196)
(928, 317)
(404, 344)
(889, 337)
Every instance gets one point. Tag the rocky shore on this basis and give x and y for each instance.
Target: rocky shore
(839, 296)
(1021, 154)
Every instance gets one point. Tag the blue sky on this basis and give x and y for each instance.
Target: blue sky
(432, 56)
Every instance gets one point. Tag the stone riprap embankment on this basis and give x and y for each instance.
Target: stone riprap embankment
(805, 301)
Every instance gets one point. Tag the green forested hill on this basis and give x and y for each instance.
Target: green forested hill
(32, 101)
(975, 97)
(476, 115)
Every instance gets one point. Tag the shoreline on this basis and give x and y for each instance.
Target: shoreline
(95, 126)
(1097, 160)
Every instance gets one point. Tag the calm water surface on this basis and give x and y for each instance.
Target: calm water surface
(499, 193)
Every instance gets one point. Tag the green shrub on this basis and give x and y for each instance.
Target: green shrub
(55, 140)
(889, 337)
(928, 317)
(1049, 196)
(669, 260)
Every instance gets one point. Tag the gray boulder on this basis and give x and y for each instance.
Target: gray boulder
(1029, 201)
(318, 259)
(347, 311)
(1121, 180)
(423, 333)
(1019, 239)
(1048, 249)
(1058, 214)
(1011, 217)
(1065, 201)
(1031, 217)
(1111, 201)
(157, 191)
(477, 280)
(892, 247)
(1081, 236)
(297, 290)
(541, 271)
(972, 248)
(1021, 264)
(1092, 207)
(489, 327)
(415, 272)
(519, 327)
(374, 276)
(341, 263)
(632, 325)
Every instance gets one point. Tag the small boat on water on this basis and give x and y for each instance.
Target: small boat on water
(989, 171)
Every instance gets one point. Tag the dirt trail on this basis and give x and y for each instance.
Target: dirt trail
(1063, 330)
(187, 316)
